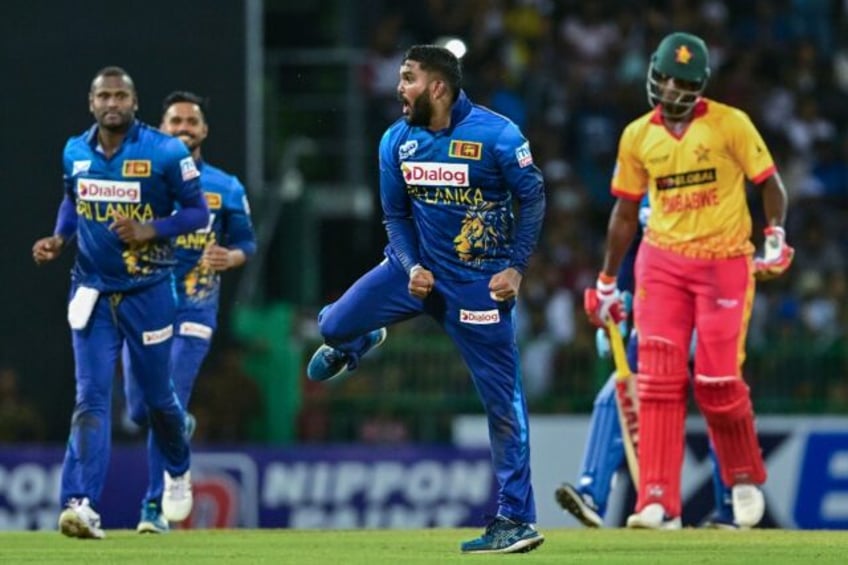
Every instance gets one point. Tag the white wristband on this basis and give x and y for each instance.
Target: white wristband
(606, 288)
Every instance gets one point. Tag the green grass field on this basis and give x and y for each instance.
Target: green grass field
(377, 547)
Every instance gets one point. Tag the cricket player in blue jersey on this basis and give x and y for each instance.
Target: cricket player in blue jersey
(123, 180)
(226, 242)
(450, 172)
(603, 454)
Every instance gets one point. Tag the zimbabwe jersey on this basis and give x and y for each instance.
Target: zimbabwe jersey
(695, 181)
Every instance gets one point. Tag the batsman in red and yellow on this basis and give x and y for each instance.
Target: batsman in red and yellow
(695, 271)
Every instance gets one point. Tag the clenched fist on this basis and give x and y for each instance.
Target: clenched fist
(421, 282)
(47, 248)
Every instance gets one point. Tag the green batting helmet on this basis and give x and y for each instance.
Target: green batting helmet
(685, 58)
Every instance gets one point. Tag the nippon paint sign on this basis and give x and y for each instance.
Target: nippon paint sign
(806, 458)
(29, 490)
(378, 494)
(358, 486)
(299, 487)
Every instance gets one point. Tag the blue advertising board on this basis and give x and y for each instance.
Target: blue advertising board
(353, 486)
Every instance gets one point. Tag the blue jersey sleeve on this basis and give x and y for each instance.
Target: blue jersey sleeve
(184, 182)
(66, 217)
(239, 232)
(525, 182)
(397, 210)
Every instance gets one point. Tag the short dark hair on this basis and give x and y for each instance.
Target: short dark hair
(438, 59)
(178, 96)
(114, 71)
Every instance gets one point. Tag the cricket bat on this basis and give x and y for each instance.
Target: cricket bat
(626, 401)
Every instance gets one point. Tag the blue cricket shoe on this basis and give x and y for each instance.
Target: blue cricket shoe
(503, 535)
(328, 362)
(152, 521)
(720, 521)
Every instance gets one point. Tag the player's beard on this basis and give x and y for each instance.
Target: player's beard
(116, 126)
(190, 141)
(421, 111)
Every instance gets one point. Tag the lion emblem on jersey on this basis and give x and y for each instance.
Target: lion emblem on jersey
(478, 233)
(137, 260)
(197, 282)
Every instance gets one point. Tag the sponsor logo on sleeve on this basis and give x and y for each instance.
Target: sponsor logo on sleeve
(93, 190)
(157, 336)
(435, 174)
(80, 167)
(188, 168)
(213, 200)
(137, 168)
(523, 155)
(466, 149)
(479, 317)
(193, 329)
(407, 150)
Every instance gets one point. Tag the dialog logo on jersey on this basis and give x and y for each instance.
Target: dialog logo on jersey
(93, 190)
(193, 329)
(157, 336)
(479, 317)
(137, 168)
(435, 174)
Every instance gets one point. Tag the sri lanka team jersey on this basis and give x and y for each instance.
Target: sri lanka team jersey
(143, 180)
(458, 185)
(229, 226)
(695, 182)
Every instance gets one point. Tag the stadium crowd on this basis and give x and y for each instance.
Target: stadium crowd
(572, 74)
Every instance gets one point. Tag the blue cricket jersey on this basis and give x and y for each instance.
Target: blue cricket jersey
(229, 225)
(447, 196)
(144, 180)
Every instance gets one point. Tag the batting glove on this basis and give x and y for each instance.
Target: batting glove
(777, 255)
(602, 343)
(603, 302)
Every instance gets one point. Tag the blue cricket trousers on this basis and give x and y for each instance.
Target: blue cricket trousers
(187, 355)
(143, 320)
(484, 332)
